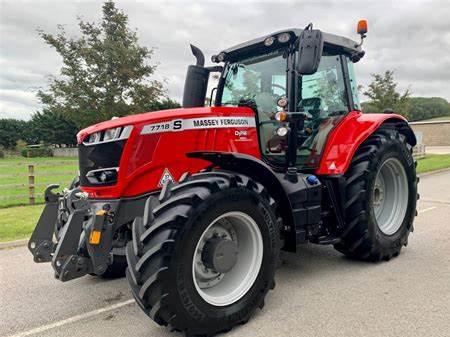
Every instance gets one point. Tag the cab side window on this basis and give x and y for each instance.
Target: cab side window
(325, 101)
(324, 91)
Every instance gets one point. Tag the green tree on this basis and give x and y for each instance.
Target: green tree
(428, 107)
(383, 94)
(162, 104)
(11, 130)
(105, 71)
(52, 128)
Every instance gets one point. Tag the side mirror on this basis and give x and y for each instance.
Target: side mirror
(309, 51)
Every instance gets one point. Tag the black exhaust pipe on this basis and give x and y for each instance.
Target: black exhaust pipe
(196, 82)
(198, 55)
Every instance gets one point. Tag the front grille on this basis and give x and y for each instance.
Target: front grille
(99, 156)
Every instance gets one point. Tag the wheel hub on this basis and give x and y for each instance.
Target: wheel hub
(220, 254)
(227, 258)
(378, 195)
(390, 196)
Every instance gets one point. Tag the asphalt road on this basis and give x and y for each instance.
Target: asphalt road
(318, 292)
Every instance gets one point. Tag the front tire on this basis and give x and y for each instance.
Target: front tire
(164, 254)
(380, 197)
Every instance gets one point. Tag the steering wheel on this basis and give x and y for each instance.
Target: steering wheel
(279, 87)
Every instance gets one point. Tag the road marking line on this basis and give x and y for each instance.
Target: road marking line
(436, 201)
(72, 319)
(427, 209)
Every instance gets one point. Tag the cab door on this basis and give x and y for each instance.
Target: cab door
(326, 97)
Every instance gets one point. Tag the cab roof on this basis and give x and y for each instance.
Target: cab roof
(331, 42)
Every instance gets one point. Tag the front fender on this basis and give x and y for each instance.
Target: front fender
(261, 172)
(249, 166)
(350, 133)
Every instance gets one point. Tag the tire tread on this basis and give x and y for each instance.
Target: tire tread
(355, 239)
(176, 202)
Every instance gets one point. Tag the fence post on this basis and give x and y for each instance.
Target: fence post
(31, 184)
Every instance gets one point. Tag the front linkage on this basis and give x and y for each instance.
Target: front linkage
(83, 236)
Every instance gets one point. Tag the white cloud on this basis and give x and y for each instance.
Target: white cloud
(411, 37)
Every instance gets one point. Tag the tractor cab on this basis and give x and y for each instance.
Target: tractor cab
(294, 93)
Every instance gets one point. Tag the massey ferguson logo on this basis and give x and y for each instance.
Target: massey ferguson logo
(201, 123)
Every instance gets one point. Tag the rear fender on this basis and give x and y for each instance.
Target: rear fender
(350, 133)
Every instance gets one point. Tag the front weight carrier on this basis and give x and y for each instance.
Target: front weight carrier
(41, 244)
(73, 255)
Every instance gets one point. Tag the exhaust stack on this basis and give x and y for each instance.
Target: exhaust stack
(198, 55)
(196, 82)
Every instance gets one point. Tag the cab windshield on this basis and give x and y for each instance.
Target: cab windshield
(260, 81)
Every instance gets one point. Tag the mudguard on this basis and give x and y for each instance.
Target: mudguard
(298, 200)
(350, 133)
(252, 167)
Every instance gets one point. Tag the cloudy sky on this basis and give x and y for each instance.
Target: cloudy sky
(410, 37)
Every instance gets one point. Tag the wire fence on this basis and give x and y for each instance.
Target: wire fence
(25, 183)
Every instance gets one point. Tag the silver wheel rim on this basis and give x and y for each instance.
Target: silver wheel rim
(390, 196)
(225, 289)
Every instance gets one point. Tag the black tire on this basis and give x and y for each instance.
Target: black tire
(160, 254)
(362, 238)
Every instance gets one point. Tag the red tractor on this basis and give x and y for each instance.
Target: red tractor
(199, 201)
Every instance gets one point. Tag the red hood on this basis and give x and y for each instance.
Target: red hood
(154, 117)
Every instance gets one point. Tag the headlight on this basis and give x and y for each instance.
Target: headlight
(108, 176)
(108, 135)
(111, 134)
(94, 138)
(269, 41)
(103, 176)
(282, 131)
(284, 37)
(221, 57)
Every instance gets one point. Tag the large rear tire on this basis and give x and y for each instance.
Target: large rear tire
(172, 277)
(380, 197)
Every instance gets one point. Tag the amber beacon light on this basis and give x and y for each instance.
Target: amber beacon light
(362, 27)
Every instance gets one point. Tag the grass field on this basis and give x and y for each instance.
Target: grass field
(442, 118)
(18, 222)
(14, 177)
(433, 162)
